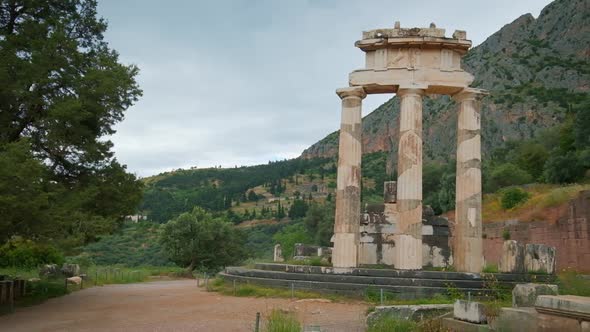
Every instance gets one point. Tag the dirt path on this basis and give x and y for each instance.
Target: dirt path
(171, 306)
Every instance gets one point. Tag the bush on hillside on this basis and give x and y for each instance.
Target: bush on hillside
(18, 252)
(512, 197)
(508, 174)
(564, 168)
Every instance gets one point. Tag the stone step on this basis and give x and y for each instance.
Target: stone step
(391, 273)
(350, 289)
(354, 279)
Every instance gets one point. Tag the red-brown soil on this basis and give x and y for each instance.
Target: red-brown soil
(176, 305)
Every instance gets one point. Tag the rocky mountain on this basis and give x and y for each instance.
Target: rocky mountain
(536, 70)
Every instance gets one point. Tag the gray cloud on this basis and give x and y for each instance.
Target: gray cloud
(246, 81)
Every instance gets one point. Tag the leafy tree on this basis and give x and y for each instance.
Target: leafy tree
(298, 209)
(531, 158)
(508, 175)
(62, 90)
(196, 239)
(319, 221)
(446, 194)
(582, 125)
(26, 253)
(563, 168)
(252, 196)
(288, 236)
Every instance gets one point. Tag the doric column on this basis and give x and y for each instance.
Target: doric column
(348, 188)
(467, 240)
(408, 240)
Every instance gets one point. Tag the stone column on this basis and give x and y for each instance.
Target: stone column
(468, 243)
(408, 240)
(348, 188)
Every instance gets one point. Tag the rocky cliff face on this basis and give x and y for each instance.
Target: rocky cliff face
(535, 69)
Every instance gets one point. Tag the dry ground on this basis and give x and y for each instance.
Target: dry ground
(176, 305)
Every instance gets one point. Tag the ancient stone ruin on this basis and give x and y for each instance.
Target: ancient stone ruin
(411, 63)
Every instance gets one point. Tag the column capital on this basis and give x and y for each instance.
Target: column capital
(469, 94)
(403, 91)
(353, 91)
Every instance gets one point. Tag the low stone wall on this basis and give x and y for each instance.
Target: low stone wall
(570, 235)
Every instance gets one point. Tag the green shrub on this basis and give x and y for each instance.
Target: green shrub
(512, 197)
(490, 268)
(506, 235)
(19, 252)
(508, 175)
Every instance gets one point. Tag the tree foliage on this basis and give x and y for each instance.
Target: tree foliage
(62, 89)
(197, 240)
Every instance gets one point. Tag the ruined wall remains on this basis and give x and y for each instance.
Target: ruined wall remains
(570, 235)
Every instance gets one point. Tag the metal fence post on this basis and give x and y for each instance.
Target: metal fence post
(381, 295)
(96, 279)
(257, 328)
(292, 290)
(11, 296)
(235, 291)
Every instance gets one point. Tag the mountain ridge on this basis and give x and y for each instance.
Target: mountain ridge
(531, 67)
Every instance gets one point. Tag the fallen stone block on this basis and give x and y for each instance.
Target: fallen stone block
(454, 325)
(74, 280)
(409, 312)
(512, 259)
(539, 258)
(70, 270)
(515, 319)
(525, 295)
(49, 271)
(469, 311)
(278, 254)
(576, 307)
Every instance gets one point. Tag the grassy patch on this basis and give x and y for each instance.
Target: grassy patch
(571, 283)
(280, 321)
(105, 275)
(390, 324)
(313, 261)
(542, 199)
(249, 290)
(373, 295)
(490, 268)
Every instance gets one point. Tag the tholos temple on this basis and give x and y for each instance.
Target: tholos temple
(412, 63)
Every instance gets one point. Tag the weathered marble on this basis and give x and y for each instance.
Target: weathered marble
(469, 311)
(278, 254)
(512, 258)
(468, 246)
(408, 239)
(525, 295)
(409, 312)
(411, 63)
(348, 187)
(539, 258)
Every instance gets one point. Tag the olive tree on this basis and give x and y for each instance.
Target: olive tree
(198, 240)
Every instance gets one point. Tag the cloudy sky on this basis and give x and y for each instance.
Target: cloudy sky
(242, 82)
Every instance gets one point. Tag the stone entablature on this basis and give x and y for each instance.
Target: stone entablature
(420, 57)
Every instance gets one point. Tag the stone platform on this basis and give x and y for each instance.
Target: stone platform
(404, 284)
